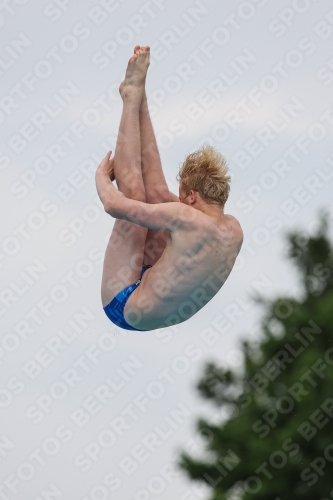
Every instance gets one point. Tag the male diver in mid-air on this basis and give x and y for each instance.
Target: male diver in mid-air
(167, 255)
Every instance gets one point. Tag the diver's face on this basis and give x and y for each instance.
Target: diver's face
(182, 196)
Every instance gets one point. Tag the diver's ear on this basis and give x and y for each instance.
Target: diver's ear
(193, 196)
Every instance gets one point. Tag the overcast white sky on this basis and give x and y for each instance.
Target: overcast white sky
(253, 78)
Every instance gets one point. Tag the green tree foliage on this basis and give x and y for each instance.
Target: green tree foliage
(277, 441)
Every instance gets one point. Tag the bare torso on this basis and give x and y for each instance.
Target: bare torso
(195, 264)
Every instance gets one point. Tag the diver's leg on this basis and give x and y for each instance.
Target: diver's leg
(125, 251)
(156, 188)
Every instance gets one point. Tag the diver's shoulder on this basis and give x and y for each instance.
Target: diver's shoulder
(236, 226)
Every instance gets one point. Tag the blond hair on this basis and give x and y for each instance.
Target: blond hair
(206, 172)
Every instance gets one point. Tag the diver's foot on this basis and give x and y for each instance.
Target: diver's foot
(134, 82)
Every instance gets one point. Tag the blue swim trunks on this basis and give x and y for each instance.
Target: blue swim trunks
(115, 309)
